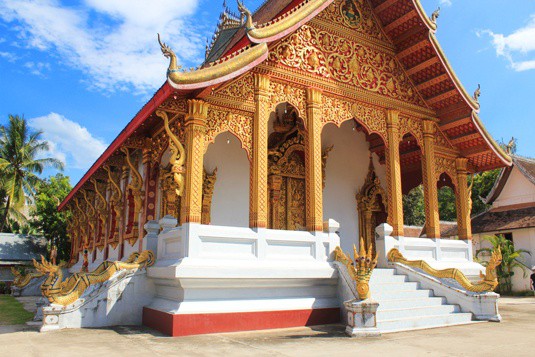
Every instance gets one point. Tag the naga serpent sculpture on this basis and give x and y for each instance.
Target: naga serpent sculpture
(22, 280)
(488, 283)
(361, 269)
(67, 292)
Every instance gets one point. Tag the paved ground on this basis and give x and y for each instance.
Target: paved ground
(513, 337)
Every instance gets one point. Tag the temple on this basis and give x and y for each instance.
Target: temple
(301, 132)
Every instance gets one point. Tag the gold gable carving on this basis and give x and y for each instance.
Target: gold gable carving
(219, 120)
(240, 89)
(355, 16)
(324, 54)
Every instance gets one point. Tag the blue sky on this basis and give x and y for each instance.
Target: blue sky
(80, 70)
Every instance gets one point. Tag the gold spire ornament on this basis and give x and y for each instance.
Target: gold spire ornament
(361, 268)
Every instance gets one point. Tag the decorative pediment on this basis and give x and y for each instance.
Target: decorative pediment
(354, 16)
(321, 52)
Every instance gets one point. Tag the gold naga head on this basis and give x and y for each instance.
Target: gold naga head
(166, 50)
(360, 268)
(495, 258)
(46, 267)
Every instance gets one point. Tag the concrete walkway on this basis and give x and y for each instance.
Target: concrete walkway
(513, 337)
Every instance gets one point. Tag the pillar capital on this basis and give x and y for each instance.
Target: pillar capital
(261, 84)
(428, 127)
(461, 163)
(197, 112)
(392, 118)
(314, 97)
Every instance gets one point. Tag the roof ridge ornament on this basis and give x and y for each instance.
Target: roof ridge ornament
(246, 16)
(477, 93)
(168, 53)
(435, 15)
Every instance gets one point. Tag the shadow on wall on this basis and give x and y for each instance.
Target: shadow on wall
(346, 170)
(230, 202)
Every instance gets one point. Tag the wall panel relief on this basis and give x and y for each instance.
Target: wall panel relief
(322, 53)
(220, 120)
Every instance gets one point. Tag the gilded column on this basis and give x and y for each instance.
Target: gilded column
(393, 173)
(149, 182)
(432, 219)
(195, 131)
(258, 205)
(464, 200)
(313, 164)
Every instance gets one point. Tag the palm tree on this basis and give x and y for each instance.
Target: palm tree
(21, 162)
(511, 258)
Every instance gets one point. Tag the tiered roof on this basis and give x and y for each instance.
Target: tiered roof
(237, 49)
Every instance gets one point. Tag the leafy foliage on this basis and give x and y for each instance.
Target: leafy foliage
(47, 219)
(447, 210)
(511, 258)
(413, 207)
(21, 162)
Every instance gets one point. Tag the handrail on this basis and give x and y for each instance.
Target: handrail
(488, 283)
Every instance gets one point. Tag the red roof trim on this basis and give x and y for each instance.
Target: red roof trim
(159, 97)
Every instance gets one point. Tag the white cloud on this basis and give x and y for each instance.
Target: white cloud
(112, 42)
(37, 68)
(69, 141)
(445, 2)
(9, 56)
(518, 47)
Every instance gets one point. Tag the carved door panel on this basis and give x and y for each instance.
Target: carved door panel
(295, 204)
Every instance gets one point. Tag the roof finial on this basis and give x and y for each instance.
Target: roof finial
(511, 146)
(477, 93)
(435, 15)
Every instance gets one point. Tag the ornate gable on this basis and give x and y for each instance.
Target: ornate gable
(320, 51)
(354, 17)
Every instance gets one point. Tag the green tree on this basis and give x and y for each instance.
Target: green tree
(413, 207)
(21, 162)
(483, 184)
(511, 258)
(447, 209)
(47, 219)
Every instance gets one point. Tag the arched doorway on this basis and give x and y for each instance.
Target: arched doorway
(372, 206)
(286, 170)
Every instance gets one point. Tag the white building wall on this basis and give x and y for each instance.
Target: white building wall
(517, 190)
(230, 202)
(347, 167)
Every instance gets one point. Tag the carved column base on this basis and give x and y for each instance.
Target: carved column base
(362, 318)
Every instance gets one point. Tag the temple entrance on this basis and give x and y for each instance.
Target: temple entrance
(371, 201)
(286, 160)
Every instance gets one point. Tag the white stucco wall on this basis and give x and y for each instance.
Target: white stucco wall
(230, 202)
(517, 190)
(522, 239)
(347, 167)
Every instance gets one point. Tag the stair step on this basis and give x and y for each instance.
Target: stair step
(401, 294)
(377, 280)
(421, 322)
(416, 311)
(393, 287)
(383, 272)
(407, 303)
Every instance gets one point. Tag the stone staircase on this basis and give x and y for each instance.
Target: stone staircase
(403, 305)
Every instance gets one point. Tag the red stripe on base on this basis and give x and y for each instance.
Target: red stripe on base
(198, 324)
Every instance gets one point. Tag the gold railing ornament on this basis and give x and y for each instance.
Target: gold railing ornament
(361, 269)
(67, 292)
(488, 283)
(21, 280)
(178, 155)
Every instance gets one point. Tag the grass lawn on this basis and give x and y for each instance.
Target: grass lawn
(12, 312)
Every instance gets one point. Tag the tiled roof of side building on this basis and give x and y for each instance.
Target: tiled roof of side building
(20, 248)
